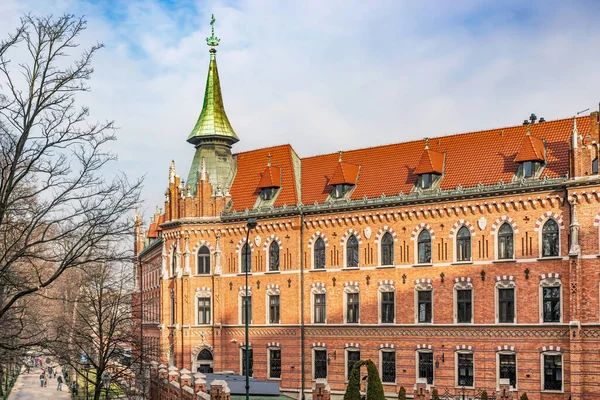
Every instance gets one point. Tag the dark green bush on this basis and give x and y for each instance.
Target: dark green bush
(374, 386)
(402, 393)
(436, 396)
(353, 388)
(524, 396)
(484, 395)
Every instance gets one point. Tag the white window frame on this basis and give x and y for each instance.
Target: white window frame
(243, 360)
(456, 353)
(388, 350)
(504, 284)
(463, 285)
(272, 292)
(416, 255)
(420, 287)
(417, 353)
(455, 244)
(345, 250)
(314, 291)
(346, 351)
(268, 254)
(380, 249)
(385, 288)
(496, 235)
(506, 353)
(269, 363)
(351, 289)
(241, 295)
(210, 260)
(312, 252)
(549, 282)
(543, 374)
(541, 235)
(313, 350)
(203, 294)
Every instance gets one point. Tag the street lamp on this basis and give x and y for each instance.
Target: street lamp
(250, 225)
(106, 382)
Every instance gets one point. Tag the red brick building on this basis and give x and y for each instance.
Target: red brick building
(458, 260)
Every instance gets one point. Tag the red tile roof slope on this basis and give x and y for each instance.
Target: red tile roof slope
(344, 174)
(532, 149)
(431, 162)
(250, 164)
(154, 227)
(271, 178)
(471, 158)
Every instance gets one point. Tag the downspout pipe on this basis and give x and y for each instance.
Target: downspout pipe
(303, 358)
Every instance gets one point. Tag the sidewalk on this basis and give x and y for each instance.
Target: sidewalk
(27, 387)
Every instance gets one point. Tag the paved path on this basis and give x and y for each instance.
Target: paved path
(27, 387)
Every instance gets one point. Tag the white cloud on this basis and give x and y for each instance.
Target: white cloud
(328, 75)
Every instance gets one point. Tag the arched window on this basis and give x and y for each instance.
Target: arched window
(463, 244)
(550, 242)
(246, 258)
(424, 247)
(352, 252)
(387, 249)
(505, 241)
(174, 262)
(319, 255)
(274, 256)
(203, 266)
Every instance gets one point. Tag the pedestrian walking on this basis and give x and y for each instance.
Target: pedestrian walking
(60, 382)
(74, 388)
(42, 377)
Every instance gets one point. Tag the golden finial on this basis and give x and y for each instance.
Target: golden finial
(340, 158)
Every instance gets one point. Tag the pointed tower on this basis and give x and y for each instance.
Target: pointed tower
(213, 135)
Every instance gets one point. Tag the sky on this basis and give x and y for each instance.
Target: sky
(326, 75)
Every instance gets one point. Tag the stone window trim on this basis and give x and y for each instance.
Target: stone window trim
(266, 248)
(551, 351)
(387, 348)
(175, 259)
(463, 349)
(463, 283)
(505, 282)
(346, 351)
(423, 285)
(550, 280)
(414, 237)
(196, 249)
(343, 241)
(241, 295)
(351, 346)
(317, 288)
(494, 232)
(311, 243)
(350, 288)
(597, 225)
(271, 346)
(506, 350)
(453, 235)
(423, 348)
(243, 360)
(385, 286)
(272, 290)
(200, 293)
(382, 231)
(238, 250)
(539, 224)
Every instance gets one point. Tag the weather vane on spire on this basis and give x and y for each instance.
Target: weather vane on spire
(212, 41)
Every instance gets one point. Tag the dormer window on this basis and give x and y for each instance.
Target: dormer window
(267, 193)
(429, 168)
(530, 168)
(338, 191)
(344, 178)
(269, 184)
(426, 181)
(531, 155)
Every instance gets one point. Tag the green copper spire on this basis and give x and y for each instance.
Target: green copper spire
(213, 124)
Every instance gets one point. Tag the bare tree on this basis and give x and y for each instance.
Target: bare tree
(58, 209)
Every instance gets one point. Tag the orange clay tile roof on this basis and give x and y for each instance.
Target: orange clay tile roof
(271, 178)
(532, 149)
(431, 162)
(344, 174)
(154, 227)
(470, 158)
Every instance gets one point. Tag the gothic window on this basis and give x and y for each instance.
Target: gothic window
(553, 371)
(320, 363)
(352, 252)
(250, 361)
(424, 247)
(426, 366)
(387, 307)
(275, 363)
(274, 256)
(352, 356)
(506, 305)
(320, 308)
(319, 254)
(388, 366)
(595, 165)
(203, 310)
(387, 249)
(464, 376)
(464, 306)
(172, 308)
(505, 241)
(424, 306)
(352, 308)
(550, 239)
(274, 309)
(551, 303)
(508, 368)
(463, 244)
(173, 263)
(203, 266)
(246, 258)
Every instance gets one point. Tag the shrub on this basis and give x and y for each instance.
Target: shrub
(524, 396)
(402, 393)
(353, 388)
(374, 386)
(484, 395)
(436, 396)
